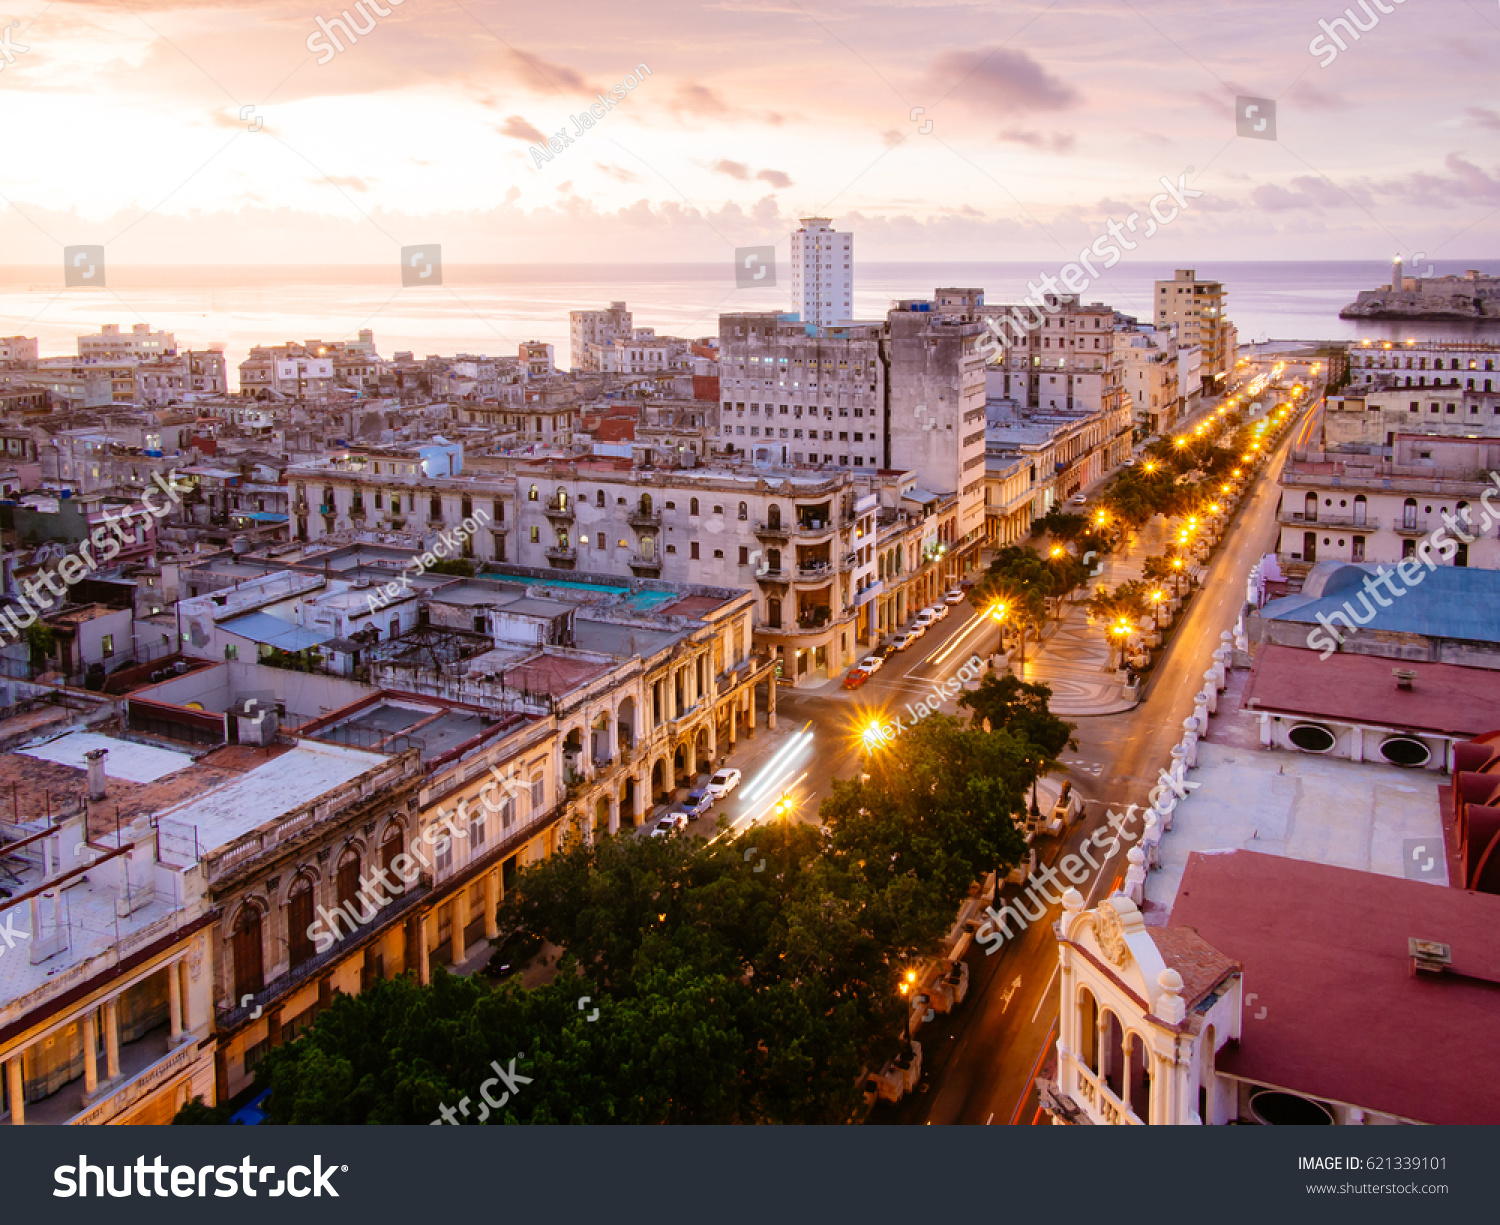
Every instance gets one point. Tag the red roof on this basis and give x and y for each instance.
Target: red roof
(1339, 1014)
(1444, 698)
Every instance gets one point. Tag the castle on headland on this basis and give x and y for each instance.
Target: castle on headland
(1471, 296)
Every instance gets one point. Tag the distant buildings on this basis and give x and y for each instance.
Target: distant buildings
(596, 328)
(822, 273)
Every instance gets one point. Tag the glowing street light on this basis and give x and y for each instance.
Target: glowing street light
(1156, 598)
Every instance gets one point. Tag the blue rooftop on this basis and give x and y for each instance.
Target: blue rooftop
(1447, 602)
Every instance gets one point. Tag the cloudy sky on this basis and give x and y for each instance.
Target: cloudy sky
(206, 133)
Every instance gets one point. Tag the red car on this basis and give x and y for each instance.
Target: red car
(855, 678)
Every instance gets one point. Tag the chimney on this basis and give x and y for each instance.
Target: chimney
(98, 784)
(1404, 677)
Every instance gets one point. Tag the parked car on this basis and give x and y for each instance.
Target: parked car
(855, 677)
(885, 652)
(670, 824)
(697, 803)
(512, 953)
(956, 596)
(872, 663)
(938, 611)
(924, 619)
(722, 783)
(901, 641)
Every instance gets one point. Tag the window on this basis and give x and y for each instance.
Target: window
(538, 791)
(744, 555)
(744, 511)
(693, 507)
(536, 535)
(245, 944)
(693, 551)
(299, 921)
(531, 496)
(231, 651)
(477, 831)
(107, 645)
(599, 542)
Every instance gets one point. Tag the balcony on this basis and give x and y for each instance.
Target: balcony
(560, 510)
(1297, 518)
(778, 575)
(562, 555)
(770, 531)
(1413, 525)
(357, 511)
(814, 569)
(650, 566)
(642, 519)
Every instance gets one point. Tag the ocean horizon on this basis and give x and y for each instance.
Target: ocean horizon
(492, 308)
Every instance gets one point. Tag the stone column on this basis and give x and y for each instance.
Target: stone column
(614, 814)
(185, 980)
(491, 904)
(1211, 690)
(90, 1043)
(424, 945)
(771, 704)
(112, 1039)
(174, 1004)
(459, 914)
(1190, 742)
(17, 1089)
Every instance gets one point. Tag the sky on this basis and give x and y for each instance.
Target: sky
(192, 133)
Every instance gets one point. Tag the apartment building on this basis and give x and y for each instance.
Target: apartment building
(1464, 364)
(822, 273)
(907, 394)
(1197, 310)
(596, 328)
(18, 350)
(1149, 377)
(110, 344)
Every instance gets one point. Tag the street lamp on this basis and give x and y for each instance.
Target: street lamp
(906, 985)
(1156, 599)
(1119, 632)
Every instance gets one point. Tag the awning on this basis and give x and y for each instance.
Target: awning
(274, 632)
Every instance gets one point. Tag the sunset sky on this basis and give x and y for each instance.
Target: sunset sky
(123, 126)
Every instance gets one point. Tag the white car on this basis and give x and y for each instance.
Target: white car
(872, 663)
(901, 641)
(956, 596)
(938, 611)
(924, 619)
(672, 823)
(1078, 500)
(722, 783)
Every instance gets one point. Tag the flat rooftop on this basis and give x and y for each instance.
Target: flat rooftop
(1340, 1015)
(1448, 602)
(1444, 698)
(390, 723)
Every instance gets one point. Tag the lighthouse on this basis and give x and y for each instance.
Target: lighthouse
(1397, 284)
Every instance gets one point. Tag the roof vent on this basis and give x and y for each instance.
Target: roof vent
(1404, 677)
(1429, 956)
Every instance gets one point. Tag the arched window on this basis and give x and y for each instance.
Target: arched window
(744, 511)
(773, 514)
(773, 613)
(562, 498)
(531, 497)
(346, 883)
(693, 507)
(299, 921)
(599, 499)
(645, 503)
(245, 944)
(391, 845)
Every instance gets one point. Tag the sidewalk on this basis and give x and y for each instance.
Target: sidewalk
(1073, 657)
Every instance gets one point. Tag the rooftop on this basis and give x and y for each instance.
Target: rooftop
(1340, 1014)
(1457, 602)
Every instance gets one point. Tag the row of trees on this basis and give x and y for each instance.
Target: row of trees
(748, 981)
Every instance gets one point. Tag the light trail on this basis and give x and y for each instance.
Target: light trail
(942, 653)
(784, 755)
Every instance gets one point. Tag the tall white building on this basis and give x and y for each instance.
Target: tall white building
(822, 273)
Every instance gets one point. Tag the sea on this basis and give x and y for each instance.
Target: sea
(491, 309)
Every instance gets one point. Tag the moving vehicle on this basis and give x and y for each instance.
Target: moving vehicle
(872, 663)
(722, 783)
(670, 824)
(855, 677)
(697, 803)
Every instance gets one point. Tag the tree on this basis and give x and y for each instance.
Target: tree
(1021, 709)
(460, 566)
